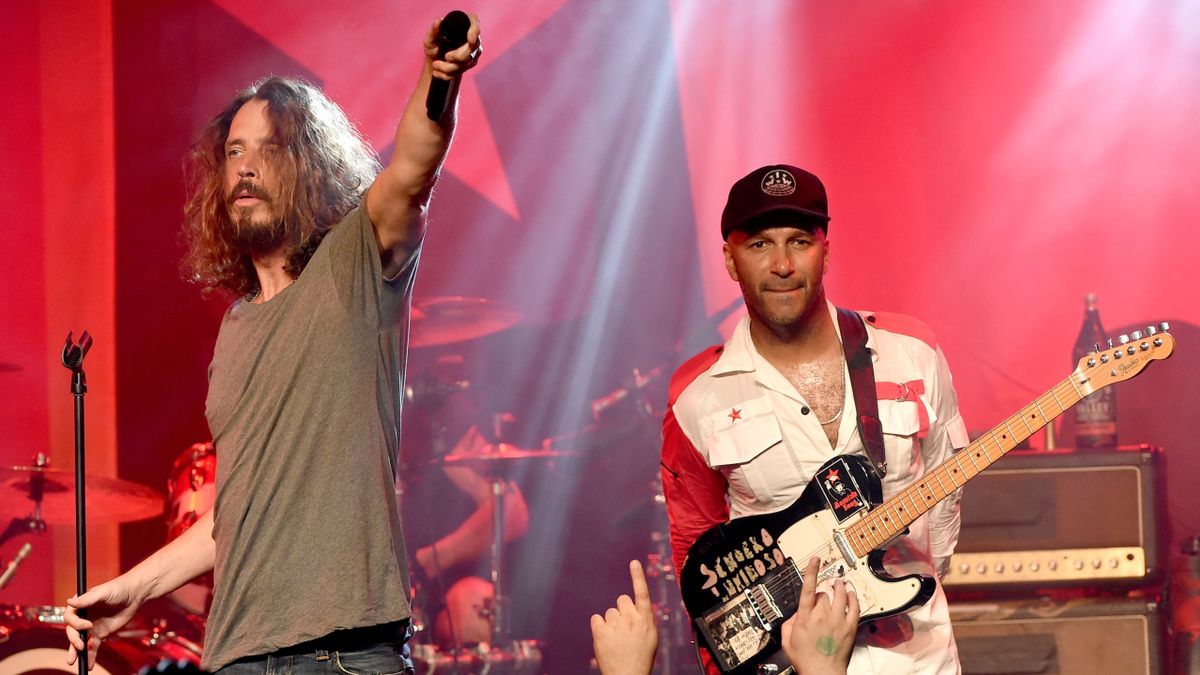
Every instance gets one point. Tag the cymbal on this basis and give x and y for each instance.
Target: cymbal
(493, 455)
(444, 320)
(109, 500)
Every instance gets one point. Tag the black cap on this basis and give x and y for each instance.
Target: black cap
(773, 195)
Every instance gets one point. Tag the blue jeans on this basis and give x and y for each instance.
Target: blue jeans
(327, 657)
(380, 659)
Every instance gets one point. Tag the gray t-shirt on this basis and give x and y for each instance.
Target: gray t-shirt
(304, 404)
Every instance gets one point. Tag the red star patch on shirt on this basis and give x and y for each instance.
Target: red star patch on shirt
(735, 414)
(832, 475)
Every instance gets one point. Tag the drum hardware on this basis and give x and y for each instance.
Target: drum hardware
(48, 495)
(493, 461)
(518, 657)
(11, 570)
(191, 488)
(674, 644)
(499, 457)
(31, 641)
(436, 321)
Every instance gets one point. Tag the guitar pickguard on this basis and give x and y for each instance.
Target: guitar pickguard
(741, 579)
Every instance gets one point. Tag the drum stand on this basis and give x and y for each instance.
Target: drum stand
(499, 608)
(674, 644)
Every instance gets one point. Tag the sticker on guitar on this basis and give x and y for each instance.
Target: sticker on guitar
(745, 563)
(840, 490)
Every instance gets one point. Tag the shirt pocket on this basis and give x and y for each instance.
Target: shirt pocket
(901, 422)
(737, 440)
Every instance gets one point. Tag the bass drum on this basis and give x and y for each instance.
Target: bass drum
(33, 642)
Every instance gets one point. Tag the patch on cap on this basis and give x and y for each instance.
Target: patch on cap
(778, 183)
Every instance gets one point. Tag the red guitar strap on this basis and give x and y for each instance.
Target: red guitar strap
(862, 383)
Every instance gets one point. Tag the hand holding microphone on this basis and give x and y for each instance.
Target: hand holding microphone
(453, 45)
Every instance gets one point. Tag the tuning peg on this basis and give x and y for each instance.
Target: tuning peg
(1096, 348)
(1151, 330)
(1123, 339)
(1136, 335)
(1110, 343)
(1164, 327)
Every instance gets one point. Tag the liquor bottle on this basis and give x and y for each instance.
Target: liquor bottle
(1096, 414)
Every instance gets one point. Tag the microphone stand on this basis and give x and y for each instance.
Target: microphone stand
(72, 359)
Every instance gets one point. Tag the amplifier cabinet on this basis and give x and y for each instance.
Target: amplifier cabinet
(1097, 637)
(1043, 519)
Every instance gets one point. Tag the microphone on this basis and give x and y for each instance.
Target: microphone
(12, 566)
(452, 34)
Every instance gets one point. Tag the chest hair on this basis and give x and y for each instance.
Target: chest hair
(822, 384)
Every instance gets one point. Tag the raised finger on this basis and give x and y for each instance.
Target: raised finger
(641, 590)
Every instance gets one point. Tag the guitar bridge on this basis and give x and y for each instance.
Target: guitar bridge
(763, 604)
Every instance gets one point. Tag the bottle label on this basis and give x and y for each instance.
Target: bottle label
(1095, 420)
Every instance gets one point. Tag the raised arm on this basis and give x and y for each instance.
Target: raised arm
(113, 603)
(397, 200)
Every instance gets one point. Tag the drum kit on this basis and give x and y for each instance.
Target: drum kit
(31, 637)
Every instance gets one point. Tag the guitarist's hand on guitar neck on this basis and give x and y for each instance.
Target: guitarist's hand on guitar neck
(818, 638)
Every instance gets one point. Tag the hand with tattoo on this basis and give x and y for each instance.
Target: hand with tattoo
(819, 636)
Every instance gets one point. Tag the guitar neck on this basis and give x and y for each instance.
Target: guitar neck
(893, 516)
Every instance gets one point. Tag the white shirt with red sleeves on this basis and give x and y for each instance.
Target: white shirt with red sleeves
(739, 440)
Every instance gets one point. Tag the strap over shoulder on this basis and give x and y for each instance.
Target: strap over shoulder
(862, 383)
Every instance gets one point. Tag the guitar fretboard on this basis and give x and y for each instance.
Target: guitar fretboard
(890, 518)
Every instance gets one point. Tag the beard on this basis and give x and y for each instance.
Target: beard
(255, 230)
(780, 313)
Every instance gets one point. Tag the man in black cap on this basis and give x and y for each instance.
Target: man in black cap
(752, 421)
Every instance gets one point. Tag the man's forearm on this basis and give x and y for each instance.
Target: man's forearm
(180, 561)
(422, 143)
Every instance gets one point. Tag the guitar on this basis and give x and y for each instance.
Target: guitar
(741, 579)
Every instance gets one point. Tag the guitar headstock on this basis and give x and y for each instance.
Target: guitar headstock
(1125, 357)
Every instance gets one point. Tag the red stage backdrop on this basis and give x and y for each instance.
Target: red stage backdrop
(988, 163)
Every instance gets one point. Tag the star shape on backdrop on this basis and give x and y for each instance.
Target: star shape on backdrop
(368, 56)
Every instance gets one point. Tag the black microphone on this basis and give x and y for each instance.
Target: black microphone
(452, 34)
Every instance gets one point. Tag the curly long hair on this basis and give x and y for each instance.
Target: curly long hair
(324, 167)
